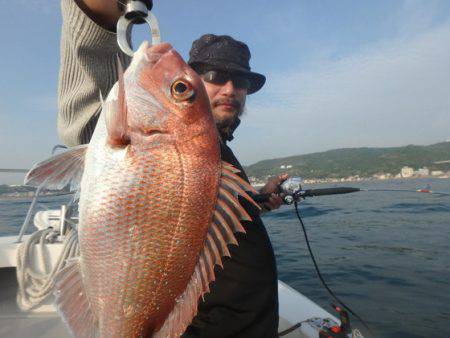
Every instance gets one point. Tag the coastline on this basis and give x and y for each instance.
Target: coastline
(259, 184)
(28, 195)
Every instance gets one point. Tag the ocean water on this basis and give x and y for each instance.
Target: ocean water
(385, 254)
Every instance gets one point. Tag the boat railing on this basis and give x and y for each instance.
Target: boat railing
(63, 217)
(43, 254)
(27, 220)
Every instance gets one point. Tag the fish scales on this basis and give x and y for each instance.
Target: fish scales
(168, 194)
(152, 223)
(126, 252)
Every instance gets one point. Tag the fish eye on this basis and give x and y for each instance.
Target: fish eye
(182, 90)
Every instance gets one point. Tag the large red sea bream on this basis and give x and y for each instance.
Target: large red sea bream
(157, 205)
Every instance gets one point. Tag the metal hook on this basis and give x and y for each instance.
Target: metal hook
(136, 12)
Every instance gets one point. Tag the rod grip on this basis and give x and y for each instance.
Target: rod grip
(329, 191)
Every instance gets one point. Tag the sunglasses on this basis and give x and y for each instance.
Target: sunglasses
(220, 78)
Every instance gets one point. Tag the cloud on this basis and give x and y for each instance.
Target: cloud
(393, 92)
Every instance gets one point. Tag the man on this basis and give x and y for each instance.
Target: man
(243, 301)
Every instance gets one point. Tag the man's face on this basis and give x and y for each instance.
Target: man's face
(227, 101)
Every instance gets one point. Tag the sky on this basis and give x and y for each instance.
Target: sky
(339, 73)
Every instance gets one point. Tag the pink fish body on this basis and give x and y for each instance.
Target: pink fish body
(157, 205)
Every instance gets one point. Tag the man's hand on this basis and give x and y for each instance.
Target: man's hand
(272, 187)
(103, 12)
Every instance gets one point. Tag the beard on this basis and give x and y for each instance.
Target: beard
(228, 121)
(224, 121)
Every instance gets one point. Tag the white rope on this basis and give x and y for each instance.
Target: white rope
(35, 286)
(357, 334)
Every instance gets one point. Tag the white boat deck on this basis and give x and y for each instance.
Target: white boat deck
(45, 322)
(17, 324)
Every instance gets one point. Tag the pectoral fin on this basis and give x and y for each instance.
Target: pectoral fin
(59, 171)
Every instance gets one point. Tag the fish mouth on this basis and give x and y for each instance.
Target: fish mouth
(154, 53)
(151, 132)
(147, 132)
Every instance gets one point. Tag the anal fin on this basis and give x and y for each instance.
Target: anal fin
(72, 302)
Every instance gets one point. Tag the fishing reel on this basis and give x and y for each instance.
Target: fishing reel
(292, 189)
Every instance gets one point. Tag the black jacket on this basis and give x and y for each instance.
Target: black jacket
(244, 298)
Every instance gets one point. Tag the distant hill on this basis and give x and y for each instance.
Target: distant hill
(21, 191)
(364, 162)
(10, 189)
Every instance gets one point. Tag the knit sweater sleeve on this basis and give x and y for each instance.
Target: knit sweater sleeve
(87, 68)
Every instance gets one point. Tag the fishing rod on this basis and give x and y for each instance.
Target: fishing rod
(423, 191)
(293, 193)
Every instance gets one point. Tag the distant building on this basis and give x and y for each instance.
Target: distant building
(288, 166)
(437, 173)
(282, 166)
(380, 176)
(407, 172)
(423, 172)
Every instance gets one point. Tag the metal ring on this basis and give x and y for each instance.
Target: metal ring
(124, 27)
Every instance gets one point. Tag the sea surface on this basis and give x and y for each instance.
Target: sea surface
(385, 254)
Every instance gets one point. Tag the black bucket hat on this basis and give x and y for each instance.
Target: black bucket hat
(222, 52)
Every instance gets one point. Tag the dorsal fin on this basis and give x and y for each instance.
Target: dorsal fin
(224, 228)
(117, 116)
(220, 241)
(234, 187)
(230, 167)
(233, 203)
(216, 255)
(225, 222)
